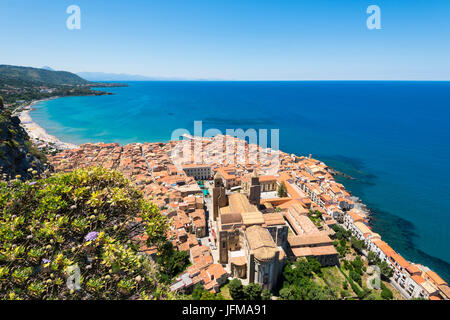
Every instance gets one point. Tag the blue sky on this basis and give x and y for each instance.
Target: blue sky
(240, 40)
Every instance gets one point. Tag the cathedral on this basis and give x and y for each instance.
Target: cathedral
(251, 243)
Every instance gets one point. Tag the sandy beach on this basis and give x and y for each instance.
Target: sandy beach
(38, 134)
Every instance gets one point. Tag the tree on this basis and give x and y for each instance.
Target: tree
(385, 269)
(198, 291)
(386, 293)
(236, 289)
(358, 245)
(266, 295)
(1, 102)
(172, 262)
(288, 293)
(295, 273)
(372, 257)
(315, 266)
(253, 291)
(358, 265)
(341, 232)
(356, 277)
(281, 191)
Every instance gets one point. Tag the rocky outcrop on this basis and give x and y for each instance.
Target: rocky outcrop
(18, 156)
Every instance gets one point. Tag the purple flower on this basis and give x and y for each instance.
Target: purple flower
(32, 183)
(45, 261)
(91, 236)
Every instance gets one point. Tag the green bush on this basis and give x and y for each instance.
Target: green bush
(299, 284)
(236, 289)
(266, 295)
(86, 218)
(253, 291)
(356, 277)
(281, 191)
(386, 293)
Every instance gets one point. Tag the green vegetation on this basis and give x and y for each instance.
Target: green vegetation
(385, 269)
(341, 232)
(266, 295)
(281, 191)
(236, 289)
(253, 291)
(341, 247)
(372, 257)
(18, 156)
(24, 84)
(172, 262)
(358, 245)
(386, 293)
(315, 217)
(341, 243)
(35, 151)
(40, 76)
(361, 293)
(299, 285)
(1, 102)
(87, 219)
(199, 293)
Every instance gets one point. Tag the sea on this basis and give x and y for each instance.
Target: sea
(392, 137)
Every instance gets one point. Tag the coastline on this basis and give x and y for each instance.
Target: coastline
(42, 138)
(39, 135)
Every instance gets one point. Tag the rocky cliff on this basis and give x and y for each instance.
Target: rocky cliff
(18, 156)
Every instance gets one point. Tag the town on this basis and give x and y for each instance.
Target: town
(241, 220)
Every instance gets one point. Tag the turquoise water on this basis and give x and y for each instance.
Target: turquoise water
(393, 137)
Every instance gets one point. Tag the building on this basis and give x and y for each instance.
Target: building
(268, 183)
(317, 245)
(219, 196)
(198, 171)
(265, 260)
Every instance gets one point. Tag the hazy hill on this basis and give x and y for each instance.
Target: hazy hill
(39, 76)
(102, 76)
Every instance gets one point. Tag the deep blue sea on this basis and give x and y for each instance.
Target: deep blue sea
(393, 137)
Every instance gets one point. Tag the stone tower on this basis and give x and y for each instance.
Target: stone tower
(255, 190)
(219, 197)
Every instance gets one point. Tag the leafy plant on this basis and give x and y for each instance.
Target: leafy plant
(49, 226)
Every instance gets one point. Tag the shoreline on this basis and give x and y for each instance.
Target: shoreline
(39, 135)
(41, 138)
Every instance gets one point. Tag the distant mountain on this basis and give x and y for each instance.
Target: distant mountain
(47, 68)
(39, 76)
(101, 76)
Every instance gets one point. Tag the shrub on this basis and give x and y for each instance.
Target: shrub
(356, 277)
(86, 218)
(236, 289)
(386, 293)
(266, 295)
(281, 191)
(253, 291)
